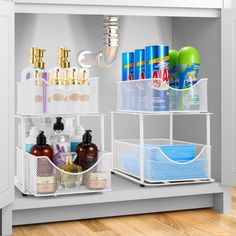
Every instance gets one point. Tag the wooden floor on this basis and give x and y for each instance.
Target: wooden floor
(194, 222)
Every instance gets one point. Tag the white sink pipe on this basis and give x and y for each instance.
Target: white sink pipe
(107, 55)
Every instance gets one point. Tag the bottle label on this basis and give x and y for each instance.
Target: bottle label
(60, 149)
(73, 146)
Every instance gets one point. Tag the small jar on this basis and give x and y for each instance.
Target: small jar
(46, 185)
(96, 180)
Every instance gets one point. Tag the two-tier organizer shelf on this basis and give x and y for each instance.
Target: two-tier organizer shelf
(158, 162)
(39, 104)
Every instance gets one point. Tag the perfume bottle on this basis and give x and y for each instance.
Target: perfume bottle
(70, 179)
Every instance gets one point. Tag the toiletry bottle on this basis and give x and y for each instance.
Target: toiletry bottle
(77, 138)
(69, 129)
(64, 64)
(41, 148)
(39, 74)
(86, 90)
(31, 139)
(87, 152)
(70, 180)
(46, 126)
(26, 73)
(46, 181)
(60, 142)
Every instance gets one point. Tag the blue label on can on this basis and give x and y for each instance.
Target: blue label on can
(157, 62)
(174, 81)
(188, 75)
(139, 64)
(127, 66)
(157, 66)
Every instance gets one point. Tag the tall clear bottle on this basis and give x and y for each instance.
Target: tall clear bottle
(60, 142)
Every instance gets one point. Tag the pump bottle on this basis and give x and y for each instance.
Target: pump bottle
(87, 152)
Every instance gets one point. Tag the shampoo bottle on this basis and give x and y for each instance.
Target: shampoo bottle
(45, 181)
(87, 152)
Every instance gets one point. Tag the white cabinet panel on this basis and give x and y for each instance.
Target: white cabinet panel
(6, 103)
(147, 3)
(228, 104)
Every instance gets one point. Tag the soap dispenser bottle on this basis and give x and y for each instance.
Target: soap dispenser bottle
(44, 167)
(87, 152)
(37, 75)
(60, 142)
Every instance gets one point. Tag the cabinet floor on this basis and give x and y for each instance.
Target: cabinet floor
(193, 222)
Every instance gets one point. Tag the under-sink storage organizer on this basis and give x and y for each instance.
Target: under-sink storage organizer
(36, 96)
(155, 95)
(164, 160)
(42, 178)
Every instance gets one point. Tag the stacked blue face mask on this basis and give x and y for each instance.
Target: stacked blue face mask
(166, 162)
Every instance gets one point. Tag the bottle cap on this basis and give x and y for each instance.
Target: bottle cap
(58, 125)
(188, 55)
(41, 139)
(173, 56)
(87, 137)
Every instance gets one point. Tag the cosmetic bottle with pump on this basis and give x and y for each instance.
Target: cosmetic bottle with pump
(60, 142)
(46, 125)
(87, 152)
(77, 138)
(38, 74)
(27, 72)
(59, 81)
(30, 140)
(46, 181)
(86, 92)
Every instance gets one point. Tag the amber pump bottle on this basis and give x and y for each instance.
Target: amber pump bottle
(87, 152)
(44, 167)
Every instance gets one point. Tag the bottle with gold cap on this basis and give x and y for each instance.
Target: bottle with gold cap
(35, 76)
(62, 79)
(36, 62)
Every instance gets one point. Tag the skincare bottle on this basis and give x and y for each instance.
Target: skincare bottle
(87, 152)
(42, 149)
(60, 142)
(39, 75)
(69, 129)
(26, 73)
(70, 179)
(64, 64)
(46, 126)
(86, 93)
(31, 139)
(77, 138)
